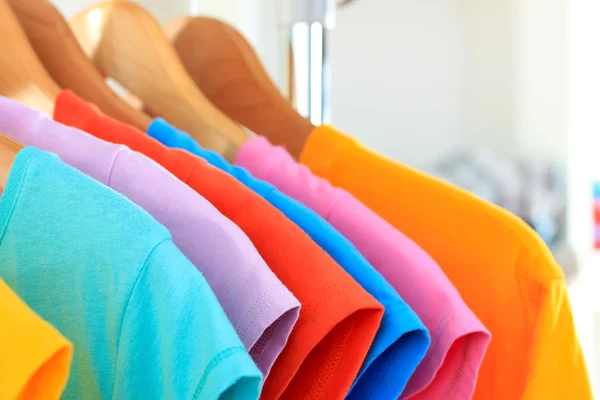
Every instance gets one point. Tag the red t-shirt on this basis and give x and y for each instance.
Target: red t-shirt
(338, 319)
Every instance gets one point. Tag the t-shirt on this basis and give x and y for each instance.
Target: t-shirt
(143, 321)
(502, 269)
(338, 319)
(402, 339)
(459, 339)
(261, 309)
(34, 357)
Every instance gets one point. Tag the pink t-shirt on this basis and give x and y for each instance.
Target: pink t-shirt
(260, 308)
(458, 338)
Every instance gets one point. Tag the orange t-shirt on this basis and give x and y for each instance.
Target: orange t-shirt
(338, 319)
(34, 357)
(502, 269)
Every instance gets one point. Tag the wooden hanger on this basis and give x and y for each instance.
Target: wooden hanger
(128, 44)
(56, 46)
(22, 76)
(8, 152)
(229, 72)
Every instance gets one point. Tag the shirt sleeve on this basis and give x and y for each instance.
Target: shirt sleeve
(175, 341)
(558, 369)
(34, 357)
(458, 339)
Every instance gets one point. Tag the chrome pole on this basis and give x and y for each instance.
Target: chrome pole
(306, 34)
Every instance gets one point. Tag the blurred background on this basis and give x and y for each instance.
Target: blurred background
(501, 97)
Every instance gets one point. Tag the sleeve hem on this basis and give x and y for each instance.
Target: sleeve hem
(275, 304)
(456, 327)
(44, 369)
(216, 361)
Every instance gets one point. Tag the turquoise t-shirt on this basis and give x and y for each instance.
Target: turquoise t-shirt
(402, 339)
(143, 321)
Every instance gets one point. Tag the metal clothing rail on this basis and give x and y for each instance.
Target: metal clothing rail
(306, 27)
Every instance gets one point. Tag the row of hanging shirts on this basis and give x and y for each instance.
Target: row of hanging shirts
(163, 251)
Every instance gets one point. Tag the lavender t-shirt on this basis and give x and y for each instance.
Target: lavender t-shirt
(458, 338)
(261, 309)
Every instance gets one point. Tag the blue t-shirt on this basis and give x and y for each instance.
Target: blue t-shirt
(402, 339)
(143, 321)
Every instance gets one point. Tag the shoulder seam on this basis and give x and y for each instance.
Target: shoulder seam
(15, 199)
(189, 173)
(143, 267)
(112, 165)
(339, 196)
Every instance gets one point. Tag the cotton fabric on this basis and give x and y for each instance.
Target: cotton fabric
(34, 357)
(261, 309)
(401, 341)
(502, 269)
(143, 321)
(459, 340)
(338, 319)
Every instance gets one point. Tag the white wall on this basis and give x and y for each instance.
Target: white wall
(398, 76)
(437, 74)
(542, 78)
(490, 73)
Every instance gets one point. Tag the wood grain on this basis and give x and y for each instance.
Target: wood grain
(57, 48)
(229, 72)
(22, 76)
(126, 43)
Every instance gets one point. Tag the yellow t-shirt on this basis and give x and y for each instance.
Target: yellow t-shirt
(34, 357)
(502, 269)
